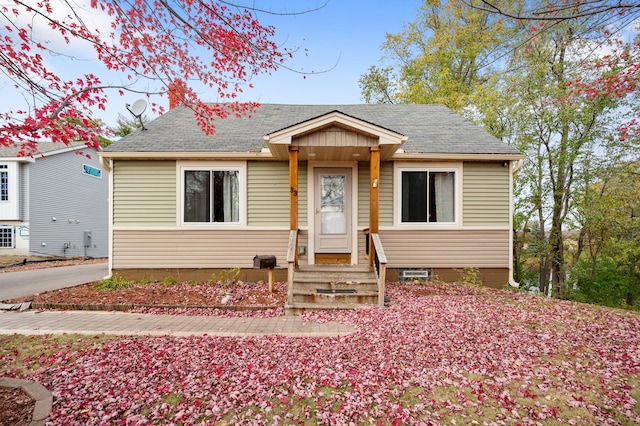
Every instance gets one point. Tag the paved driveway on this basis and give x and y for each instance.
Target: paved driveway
(26, 283)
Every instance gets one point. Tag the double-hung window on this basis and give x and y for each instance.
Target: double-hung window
(212, 194)
(4, 182)
(6, 236)
(428, 195)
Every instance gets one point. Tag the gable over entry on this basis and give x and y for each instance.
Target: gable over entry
(331, 144)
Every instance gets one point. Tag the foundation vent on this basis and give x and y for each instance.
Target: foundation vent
(405, 275)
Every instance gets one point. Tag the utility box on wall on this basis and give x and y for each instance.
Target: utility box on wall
(87, 239)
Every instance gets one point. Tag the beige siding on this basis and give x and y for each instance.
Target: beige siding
(267, 193)
(196, 248)
(386, 194)
(303, 195)
(335, 136)
(363, 193)
(144, 192)
(446, 249)
(485, 194)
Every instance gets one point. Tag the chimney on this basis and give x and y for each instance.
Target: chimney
(176, 94)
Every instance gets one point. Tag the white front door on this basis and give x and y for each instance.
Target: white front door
(332, 207)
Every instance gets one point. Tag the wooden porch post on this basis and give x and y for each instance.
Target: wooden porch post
(374, 201)
(293, 193)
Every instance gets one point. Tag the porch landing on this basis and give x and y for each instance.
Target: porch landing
(332, 287)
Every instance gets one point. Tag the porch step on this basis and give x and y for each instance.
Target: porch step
(300, 307)
(332, 287)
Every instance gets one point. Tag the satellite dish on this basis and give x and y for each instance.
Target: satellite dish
(137, 109)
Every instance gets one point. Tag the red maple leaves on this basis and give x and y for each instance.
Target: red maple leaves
(152, 44)
(454, 356)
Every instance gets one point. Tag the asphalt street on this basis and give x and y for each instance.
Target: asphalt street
(26, 283)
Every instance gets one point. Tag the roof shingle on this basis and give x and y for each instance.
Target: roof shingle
(429, 128)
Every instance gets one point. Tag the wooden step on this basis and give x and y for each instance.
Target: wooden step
(300, 307)
(346, 287)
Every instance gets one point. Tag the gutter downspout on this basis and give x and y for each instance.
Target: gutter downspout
(107, 165)
(514, 170)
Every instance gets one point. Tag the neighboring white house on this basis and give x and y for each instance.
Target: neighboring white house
(54, 203)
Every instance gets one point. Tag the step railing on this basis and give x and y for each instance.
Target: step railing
(380, 265)
(292, 263)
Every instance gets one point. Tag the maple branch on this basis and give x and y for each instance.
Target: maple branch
(554, 12)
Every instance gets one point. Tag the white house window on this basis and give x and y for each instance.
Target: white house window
(6, 236)
(427, 195)
(212, 195)
(4, 182)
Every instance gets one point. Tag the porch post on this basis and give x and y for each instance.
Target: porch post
(293, 184)
(374, 204)
(293, 195)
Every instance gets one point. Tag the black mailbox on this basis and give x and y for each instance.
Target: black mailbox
(267, 261)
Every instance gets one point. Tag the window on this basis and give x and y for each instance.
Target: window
(427, 195)
(212, 195)
(4, 182)
(6, 236)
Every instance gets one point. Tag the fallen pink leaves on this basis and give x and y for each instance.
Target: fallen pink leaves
(498, 357)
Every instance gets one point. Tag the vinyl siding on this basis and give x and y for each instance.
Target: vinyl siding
(196, 248)
(78, 202)
(446, 249)
(24, 191)
(303, 195)
(335, 136)
(144, 193)
(363, 193)
(268, 193)
(386, 194)
(485, 194)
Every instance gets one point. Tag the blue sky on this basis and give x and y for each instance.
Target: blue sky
(347, 34)
(344, 37)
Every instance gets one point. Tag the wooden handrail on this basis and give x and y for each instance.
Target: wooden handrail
(292, 262)
(380, 264)
(292, 253)
(377, 244)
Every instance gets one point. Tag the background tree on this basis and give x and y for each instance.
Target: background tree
(442, 57)
(558, 89)
(150, 44)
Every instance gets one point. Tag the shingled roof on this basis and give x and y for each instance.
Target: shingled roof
(429, 128)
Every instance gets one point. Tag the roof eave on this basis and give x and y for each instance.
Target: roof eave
(212, 155)
(413, 156)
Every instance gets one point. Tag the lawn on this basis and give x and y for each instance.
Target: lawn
(437, 355)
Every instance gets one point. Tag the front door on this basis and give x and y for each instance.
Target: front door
(332, 207)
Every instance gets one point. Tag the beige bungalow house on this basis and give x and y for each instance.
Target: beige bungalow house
(344, 197)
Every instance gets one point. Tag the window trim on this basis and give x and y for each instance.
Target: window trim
(11, 233)
(239, 166)
(455, 167)
(4, 168)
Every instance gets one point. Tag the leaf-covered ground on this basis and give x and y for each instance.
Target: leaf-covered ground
(464, 357)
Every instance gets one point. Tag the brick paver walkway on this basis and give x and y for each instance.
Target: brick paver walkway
(119, 323)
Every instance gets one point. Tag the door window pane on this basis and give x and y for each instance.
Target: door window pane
(332, 208)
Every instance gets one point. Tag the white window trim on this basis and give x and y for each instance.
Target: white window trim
(240, 166)
(400, 167)
(13, 237)
(6, 168)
